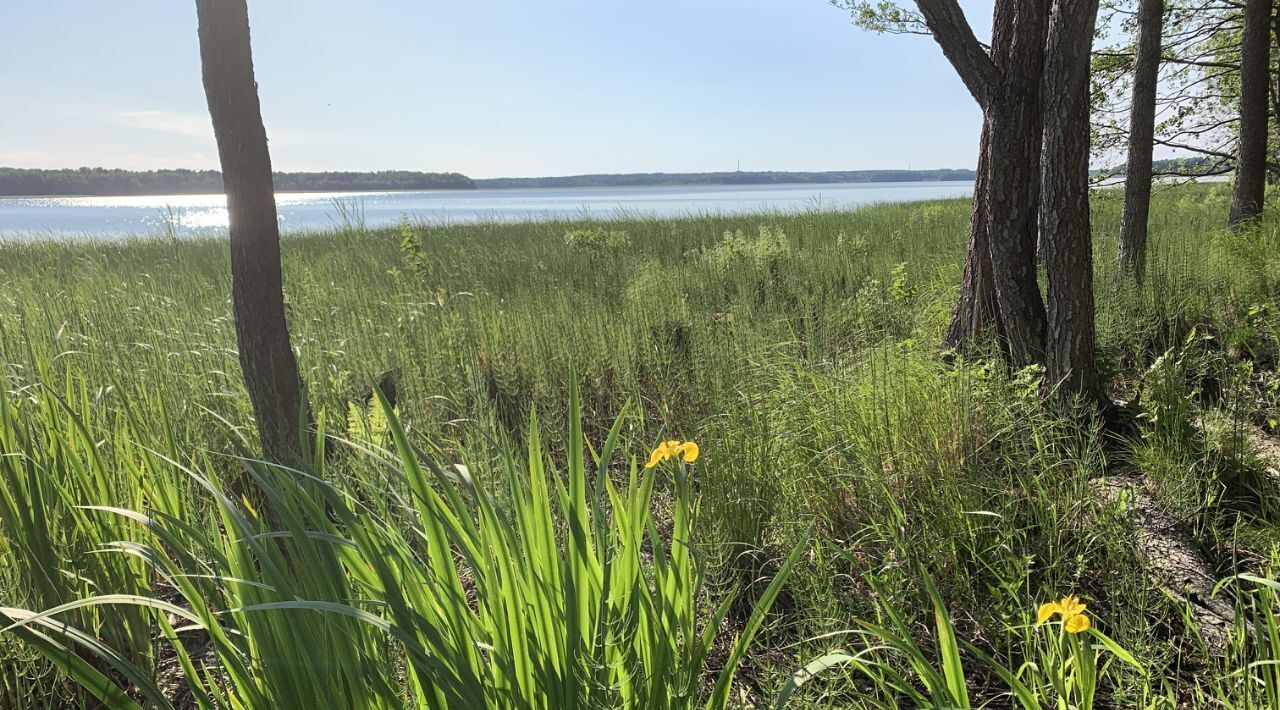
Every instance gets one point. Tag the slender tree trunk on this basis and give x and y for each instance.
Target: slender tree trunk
(1142, 119)
(1012, 196)
(1070, 368)
(1000, 293)
(975, 315)
(1273, 169)
(1251, 160)
(266, 357)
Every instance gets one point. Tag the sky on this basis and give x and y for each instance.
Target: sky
(490, 88)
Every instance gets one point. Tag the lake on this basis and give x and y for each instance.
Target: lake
(24, 218)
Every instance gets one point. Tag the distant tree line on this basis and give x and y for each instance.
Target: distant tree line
(102, 181)
(1188, 167)
(728, 178)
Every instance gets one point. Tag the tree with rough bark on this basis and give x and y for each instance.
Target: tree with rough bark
(1132, 255)
(1198, 94)
(266, 356)
(1065, 231)
(1251, 152)
(1000, 293)
(1032, 186)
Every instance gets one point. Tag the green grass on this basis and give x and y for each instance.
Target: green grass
(861, 507)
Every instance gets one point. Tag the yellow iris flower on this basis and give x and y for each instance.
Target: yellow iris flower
(673, 449)
(1071, 609)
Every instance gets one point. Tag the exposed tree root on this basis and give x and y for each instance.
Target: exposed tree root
(1173, 560)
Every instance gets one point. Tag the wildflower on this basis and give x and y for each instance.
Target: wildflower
(1070, 609)
(683, 450)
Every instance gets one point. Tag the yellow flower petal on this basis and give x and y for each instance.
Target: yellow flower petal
(1070, 606)
(1076, 624)
(658, 456)
(689, 451)
(1047, 610)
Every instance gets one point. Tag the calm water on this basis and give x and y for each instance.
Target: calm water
(107, 217)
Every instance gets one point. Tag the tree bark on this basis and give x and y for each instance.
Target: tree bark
(266, 356)
(1012, 196)
(1251, 160)
(1000, 293)
(1132, 255)
(975, 316)
(950, 29)
(1070, 368)
(1273, 168)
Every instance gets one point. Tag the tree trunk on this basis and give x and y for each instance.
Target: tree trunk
(1012, 195)
(1273, 170)
(975, 316)
(1132, 256)
(1251, 160)
(1070, 368)
(266, 357)
(1001, 265)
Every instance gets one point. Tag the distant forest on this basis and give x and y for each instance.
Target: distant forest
(728, 178)
(101, 181)
(1190, 167)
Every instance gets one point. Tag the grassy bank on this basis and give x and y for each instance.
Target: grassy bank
(799, 351)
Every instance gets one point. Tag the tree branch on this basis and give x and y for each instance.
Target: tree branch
(1271, 165)
(950, 29)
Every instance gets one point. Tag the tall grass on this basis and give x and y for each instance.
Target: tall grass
(562, 592)
(428, 563)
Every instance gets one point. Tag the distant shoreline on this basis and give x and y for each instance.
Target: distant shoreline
(278, 191)
(454, 189)
(103, 182)
(99, 182)
(735, 178)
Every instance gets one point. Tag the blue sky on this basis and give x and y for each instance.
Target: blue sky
(490, 87)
